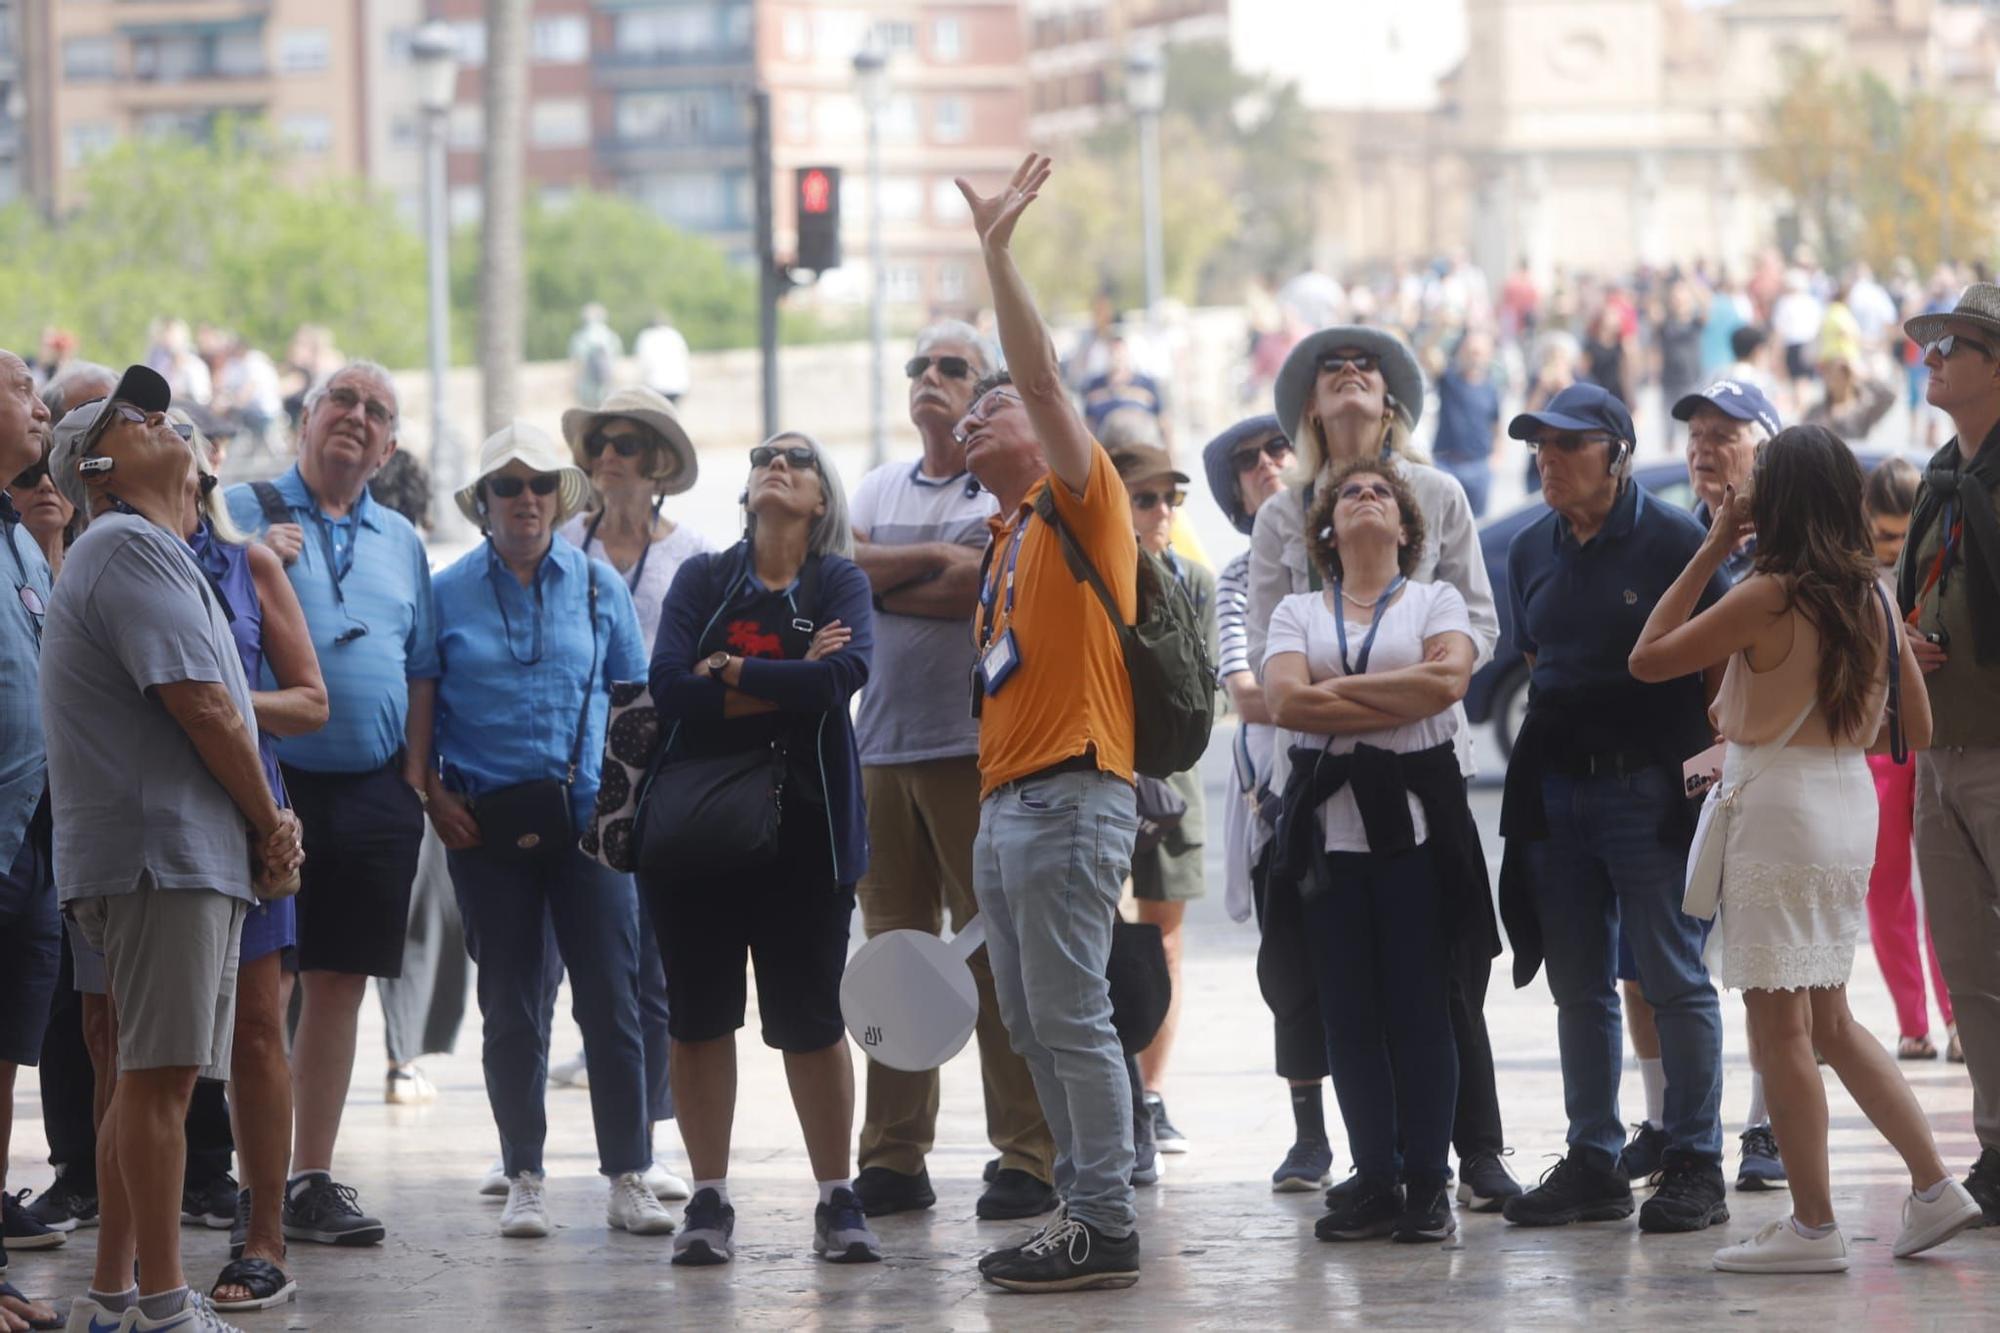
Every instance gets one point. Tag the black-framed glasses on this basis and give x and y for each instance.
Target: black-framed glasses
(1334, 362)
(1355, 490)
(33, 477)
(951, 367)
(1151, 500)
(1277, 449)
(378, 412)
(1951, 342)
(625, 446)
(507, 488)
(796, 455)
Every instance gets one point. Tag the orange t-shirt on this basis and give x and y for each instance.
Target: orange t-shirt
(1070, 692)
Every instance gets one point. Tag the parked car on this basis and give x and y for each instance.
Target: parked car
(1499, 691)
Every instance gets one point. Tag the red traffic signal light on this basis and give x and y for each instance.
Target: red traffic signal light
(816, 193)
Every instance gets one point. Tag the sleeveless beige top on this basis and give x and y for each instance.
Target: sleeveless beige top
(1754, 707)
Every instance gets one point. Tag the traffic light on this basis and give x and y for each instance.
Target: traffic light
(817, 194)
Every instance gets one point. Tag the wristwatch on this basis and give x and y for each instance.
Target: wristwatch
(717, 663)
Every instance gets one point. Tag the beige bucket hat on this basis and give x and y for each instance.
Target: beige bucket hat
(530, 444)
(674, 468)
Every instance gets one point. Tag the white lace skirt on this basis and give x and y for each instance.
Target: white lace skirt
(1795, 871)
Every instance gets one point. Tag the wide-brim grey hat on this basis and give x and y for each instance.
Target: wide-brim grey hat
(676, 468)
(1399, 371)
(528, 443)
(1978, 304)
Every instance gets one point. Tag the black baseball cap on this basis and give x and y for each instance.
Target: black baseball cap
(1579, 408)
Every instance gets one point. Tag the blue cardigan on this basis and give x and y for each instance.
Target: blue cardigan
(824, 688)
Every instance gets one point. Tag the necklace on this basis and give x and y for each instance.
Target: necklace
(1368, 603)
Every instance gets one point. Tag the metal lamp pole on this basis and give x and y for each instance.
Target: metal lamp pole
(871, 78)
(435, 51)
(1146, 94)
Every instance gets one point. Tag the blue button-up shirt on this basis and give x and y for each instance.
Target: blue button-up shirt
(23, 760)
(516, 661)
(1578, 609)
(364, 582)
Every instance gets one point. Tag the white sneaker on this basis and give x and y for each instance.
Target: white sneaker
(87, 1316)
(408, 1085)
(493, 1184)
(1779, 1248)
(526, 1215)
(633, 1208)
(1929, 1224)
(197, 1316)
(665, 1184)
(570, 1073)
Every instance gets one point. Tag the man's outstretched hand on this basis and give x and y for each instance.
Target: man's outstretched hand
(995, 216)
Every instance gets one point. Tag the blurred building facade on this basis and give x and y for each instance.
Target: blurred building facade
(1077, 51)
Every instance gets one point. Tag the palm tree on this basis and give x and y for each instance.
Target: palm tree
(500, 284)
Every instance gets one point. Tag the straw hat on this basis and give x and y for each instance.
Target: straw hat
(530, 444)
(1978, 305)
(675, 467)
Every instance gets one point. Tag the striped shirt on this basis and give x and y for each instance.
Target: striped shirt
(1232, 605)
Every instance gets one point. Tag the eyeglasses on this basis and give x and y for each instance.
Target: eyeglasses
(1151, 500)
(625, 446)
(183, 429)
(112, 412)
(33, 477)
(951, 367)
(1568, 442)
(378, 412)
(1277, 449)
(1365, 362)
(1951, 342)
(506, 488)
(797, 455)
(1355, 490)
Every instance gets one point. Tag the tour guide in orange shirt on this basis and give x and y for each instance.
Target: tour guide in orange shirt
(1057, 814)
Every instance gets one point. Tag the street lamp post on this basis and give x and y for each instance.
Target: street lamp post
(871, 82)
(434, 50)
(1146, 94)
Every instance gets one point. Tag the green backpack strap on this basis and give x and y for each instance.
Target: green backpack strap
(1080, 567)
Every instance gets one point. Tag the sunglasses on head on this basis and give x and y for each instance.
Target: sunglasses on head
(951, 367)
(1334, 362)
(1354, 490)
(506, 488)
(1150, 500)
(797, 455)
(1951, 342)
(1277, 449)
(625, 446)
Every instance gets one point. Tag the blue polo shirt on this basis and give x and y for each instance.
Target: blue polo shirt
(516, 662)
(23, 759)
(1578, 609)
(364, 582)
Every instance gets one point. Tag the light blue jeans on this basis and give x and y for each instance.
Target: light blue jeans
(1051, 857)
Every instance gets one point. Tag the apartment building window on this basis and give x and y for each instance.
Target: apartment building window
(90, 58)
(564, 40)
(947, 40)
(304, 50)
(902, 199)
(684, 30)
(798, 116)
(895, 36)
(797, 37)
(687, 114)
(839, 33)
(949, 120)
(83, 142)
(904, 283)
(464, 205)
(232, 53)
(695, 200)
(947, 204)
(899, 120)
(470, 35)
(560, 123)
(308, 132)
(465, 127)
(951, 282)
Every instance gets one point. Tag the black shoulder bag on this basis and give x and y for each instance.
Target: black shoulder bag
(533, 818)
(1899, 747)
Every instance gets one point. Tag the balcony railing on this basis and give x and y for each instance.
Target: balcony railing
(615, 61)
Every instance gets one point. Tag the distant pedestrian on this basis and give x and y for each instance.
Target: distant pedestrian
(1468, 429)
(662, 354)
(594, 350)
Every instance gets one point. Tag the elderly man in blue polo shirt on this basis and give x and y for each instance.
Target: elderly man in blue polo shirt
(364, 581)
(1596, 820)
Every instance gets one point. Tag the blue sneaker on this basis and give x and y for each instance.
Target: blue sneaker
(1761, 1168)
(841, 1234)
(707, 1230)
(1308, 1167)
(1644, 1153)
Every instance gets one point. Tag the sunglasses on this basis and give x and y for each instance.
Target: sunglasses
(1277, 449)
(506, 488)
(1365, 362)
(1951, 342)
(951, 367)
(1354, 490)
(1147, 501)
(797, 455)
(1568, 442)
(625, 446)
(33, 477)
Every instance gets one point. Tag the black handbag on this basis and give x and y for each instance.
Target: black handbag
(713, 816)
(533, 818)
(1141, 987)
(1161, 810)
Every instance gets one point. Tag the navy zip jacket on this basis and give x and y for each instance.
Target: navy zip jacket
(821, 690)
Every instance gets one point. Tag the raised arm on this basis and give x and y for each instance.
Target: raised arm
(1031, 357)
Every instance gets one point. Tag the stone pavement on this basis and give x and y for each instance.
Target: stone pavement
(1220, 1249)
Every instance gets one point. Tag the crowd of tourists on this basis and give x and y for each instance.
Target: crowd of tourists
(976, 689)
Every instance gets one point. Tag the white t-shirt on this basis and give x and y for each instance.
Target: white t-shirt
(1303, 623)
(663, 561)
(663, 359)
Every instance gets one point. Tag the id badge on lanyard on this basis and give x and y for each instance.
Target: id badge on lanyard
(1000, 658)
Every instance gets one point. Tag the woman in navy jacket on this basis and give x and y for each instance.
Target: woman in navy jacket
(767, 643)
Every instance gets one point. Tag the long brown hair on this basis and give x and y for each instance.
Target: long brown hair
(1811, 533)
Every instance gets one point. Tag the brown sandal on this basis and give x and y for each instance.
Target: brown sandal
(1916, 1048)
(1953, 1051)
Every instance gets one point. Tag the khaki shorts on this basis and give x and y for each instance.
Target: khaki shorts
(170, 956)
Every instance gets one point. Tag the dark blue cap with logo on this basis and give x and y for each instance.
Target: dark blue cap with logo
(1732, 398)
(1580, 408)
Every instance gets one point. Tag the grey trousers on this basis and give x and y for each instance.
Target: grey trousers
(1958, 850)
(422, 1009)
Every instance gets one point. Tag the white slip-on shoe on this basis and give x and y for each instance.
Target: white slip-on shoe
(570, 1073)
(526, 1215)
(493, 1184)
(633, 1208)
(1930, 1224)
(1779, 1248)
(665, 1184)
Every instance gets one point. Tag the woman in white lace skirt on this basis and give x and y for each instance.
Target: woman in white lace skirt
(1809, 639)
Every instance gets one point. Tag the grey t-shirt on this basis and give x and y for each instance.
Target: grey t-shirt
(128, 790)
(917, 706)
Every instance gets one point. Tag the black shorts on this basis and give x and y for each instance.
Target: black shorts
(362, 835)
(791, 921)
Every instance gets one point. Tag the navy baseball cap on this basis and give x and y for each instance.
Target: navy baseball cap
(1732, 398)
(1579, 408)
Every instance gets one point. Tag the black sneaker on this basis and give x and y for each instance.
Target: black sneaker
(992, 1170)
(1345, 1189)
(1071, 1256)
(1484, 1182)
(1008, 1253)
(883, 1191)
(1307, 1167)
(1643, 1152)
(209, 1203)
(1165, 1136)
(1365, 1212)
(708, 1231)
(1572, 1191)
(19, 1231)
(1426, 1217)
(1688, 1197)
(1015, 1194)
(324, 1213)
(66, 1204)
(1761, 1168)
(1983, 1184)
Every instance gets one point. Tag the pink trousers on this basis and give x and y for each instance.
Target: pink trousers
(1892, 906)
